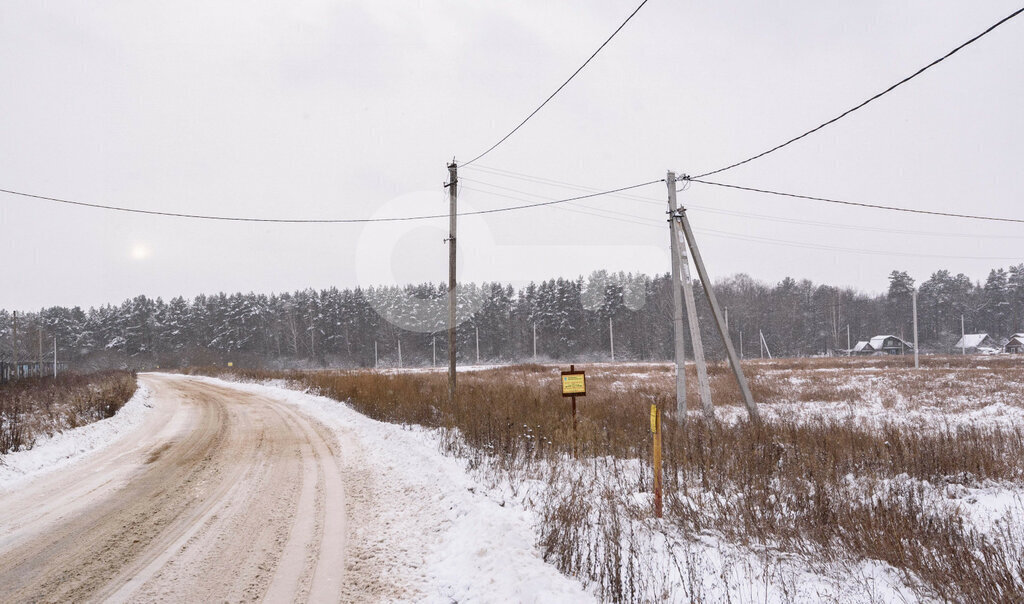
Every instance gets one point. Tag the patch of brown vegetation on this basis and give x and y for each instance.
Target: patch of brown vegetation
(35, 407)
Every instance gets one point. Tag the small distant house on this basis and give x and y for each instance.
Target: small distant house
(863, 347)
(975, 342)
(890, 345)
(1016, 344)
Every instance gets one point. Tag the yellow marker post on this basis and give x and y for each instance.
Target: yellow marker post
(574, 383)
(656, 431)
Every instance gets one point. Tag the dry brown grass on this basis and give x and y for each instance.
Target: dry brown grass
(826, 487)
(36, 407)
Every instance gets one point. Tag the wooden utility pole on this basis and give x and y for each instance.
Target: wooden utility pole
(453, 196)
(709, 292)
(963, 336)
(917, 363)
(39, 357)
(696, 341)
(849, 350)
(677, 302)
(55, 357)
(477, 329)
(399, 354)
(433, 350)
(375, 354)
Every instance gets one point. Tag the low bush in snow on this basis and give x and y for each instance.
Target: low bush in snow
(37, 407)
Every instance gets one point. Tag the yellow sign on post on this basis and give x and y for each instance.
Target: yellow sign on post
(654, 418)
(574, 383)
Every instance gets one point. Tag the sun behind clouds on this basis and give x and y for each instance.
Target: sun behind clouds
(140, 251)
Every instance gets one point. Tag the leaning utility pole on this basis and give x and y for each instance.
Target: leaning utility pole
(677, 302)
(696, 341)
(453, 195)
(917, 364)
(709, 292)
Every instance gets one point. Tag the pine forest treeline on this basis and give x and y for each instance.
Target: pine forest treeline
(340, 327)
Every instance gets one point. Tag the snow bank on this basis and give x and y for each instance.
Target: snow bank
(458, 542)
(65, 448)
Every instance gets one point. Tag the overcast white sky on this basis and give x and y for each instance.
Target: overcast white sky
(352, 109)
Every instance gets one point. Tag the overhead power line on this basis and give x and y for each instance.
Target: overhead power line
(639, 220)
(856, 203)
(97, 206)
(873, 98)
(559, 89)
(770, 218)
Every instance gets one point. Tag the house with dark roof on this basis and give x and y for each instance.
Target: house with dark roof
(1015, 345)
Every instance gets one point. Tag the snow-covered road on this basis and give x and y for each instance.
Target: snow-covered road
(246, 492)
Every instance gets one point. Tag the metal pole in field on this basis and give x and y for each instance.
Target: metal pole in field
(677, 302)
(55, 357)
(741, 343)
(709, 292)
(15, 349)
(963, 336)
(39, 363)
(375, 354)
(849, 350)
(760, 341)
(453, 184)
(399, 354)
(433, 350)
(611, 338)
(534, 341)
(477, 344)
(917, 364)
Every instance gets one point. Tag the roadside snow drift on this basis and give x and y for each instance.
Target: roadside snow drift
(65, 448)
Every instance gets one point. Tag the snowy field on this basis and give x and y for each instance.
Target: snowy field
(870, 481)
(895, 429)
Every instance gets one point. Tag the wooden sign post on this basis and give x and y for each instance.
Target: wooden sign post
(574, 383)
(656, 431)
